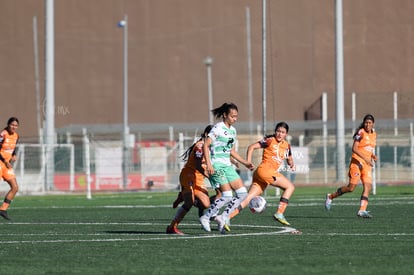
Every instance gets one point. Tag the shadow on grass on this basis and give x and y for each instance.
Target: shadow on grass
(133, 232)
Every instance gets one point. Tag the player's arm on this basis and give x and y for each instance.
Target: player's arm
(233, 153)
(374, 157)
(289, 160)
(250, 150)
(2, 159)
(206, 154)
(200, 167)
(199, 159)
(235, 162)
(14, 154)
(1, 145)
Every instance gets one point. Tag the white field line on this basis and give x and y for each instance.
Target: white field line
(292, 202)
(139, 236)
(272, 230)
(97, 237)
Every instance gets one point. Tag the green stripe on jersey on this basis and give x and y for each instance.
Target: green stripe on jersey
(223, 140)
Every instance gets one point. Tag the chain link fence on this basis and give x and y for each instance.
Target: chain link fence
(154, 161)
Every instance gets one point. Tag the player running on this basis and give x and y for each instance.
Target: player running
(192, 183)
(218, 150)
(360, 167)
(276, 150)
(8, 141)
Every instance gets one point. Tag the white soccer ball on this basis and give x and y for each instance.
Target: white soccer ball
(257, 204)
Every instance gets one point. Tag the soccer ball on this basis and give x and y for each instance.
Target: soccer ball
(257, 204)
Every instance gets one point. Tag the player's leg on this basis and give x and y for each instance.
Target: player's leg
(226, 197)
(366, 179)
(178, 200)
(237, 185)
(14, 188)
(217, 180)
(241, 193)
(181, 212)
(344, 189)
(201, 201)
(187, 193)
(216, 196)
(259, 184)
(214, 209)
(354, 176)
(254, 190)
(288, 189)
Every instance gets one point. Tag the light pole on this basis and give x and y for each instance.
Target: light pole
(49, 134)
(208, 61)
(124, 24)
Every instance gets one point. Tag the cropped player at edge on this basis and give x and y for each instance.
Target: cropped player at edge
(8, 150)
(275, 151)
(360, 167)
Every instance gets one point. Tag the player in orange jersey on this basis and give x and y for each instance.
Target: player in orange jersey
(360, 167)
(276, 150)
(214, 197)
(180, 199)
(8, 150)
(192, 182)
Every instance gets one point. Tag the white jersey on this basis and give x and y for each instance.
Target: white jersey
(222, 141)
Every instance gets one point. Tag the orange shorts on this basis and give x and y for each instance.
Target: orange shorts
(263, 177)
(358, 171)
(6, 173)
(192, 182)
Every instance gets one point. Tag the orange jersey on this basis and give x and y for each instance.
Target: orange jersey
(366, 146)
(190, 175)
(8, 144)
(195, 157)
(274, 152)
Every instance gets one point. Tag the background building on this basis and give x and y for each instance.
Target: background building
(168, 41)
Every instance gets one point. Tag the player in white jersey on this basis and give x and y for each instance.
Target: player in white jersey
(218, 150)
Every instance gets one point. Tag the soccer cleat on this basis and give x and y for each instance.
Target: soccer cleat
(364, 214)
(3, 213)
(222, 225)
(178, 200)
(227, 224)
(280, 218)
(328, 202)
(174, 230)
(205, 223)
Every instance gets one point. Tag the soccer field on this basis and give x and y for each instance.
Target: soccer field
(125, 234)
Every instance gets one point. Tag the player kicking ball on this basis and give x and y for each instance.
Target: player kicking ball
(276, 150)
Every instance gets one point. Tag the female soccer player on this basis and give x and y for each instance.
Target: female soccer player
(218, 150)
(360, 167)
(192, 182)
(8, 150)
(275, 151)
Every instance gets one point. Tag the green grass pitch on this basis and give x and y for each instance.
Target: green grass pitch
(124, 233)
